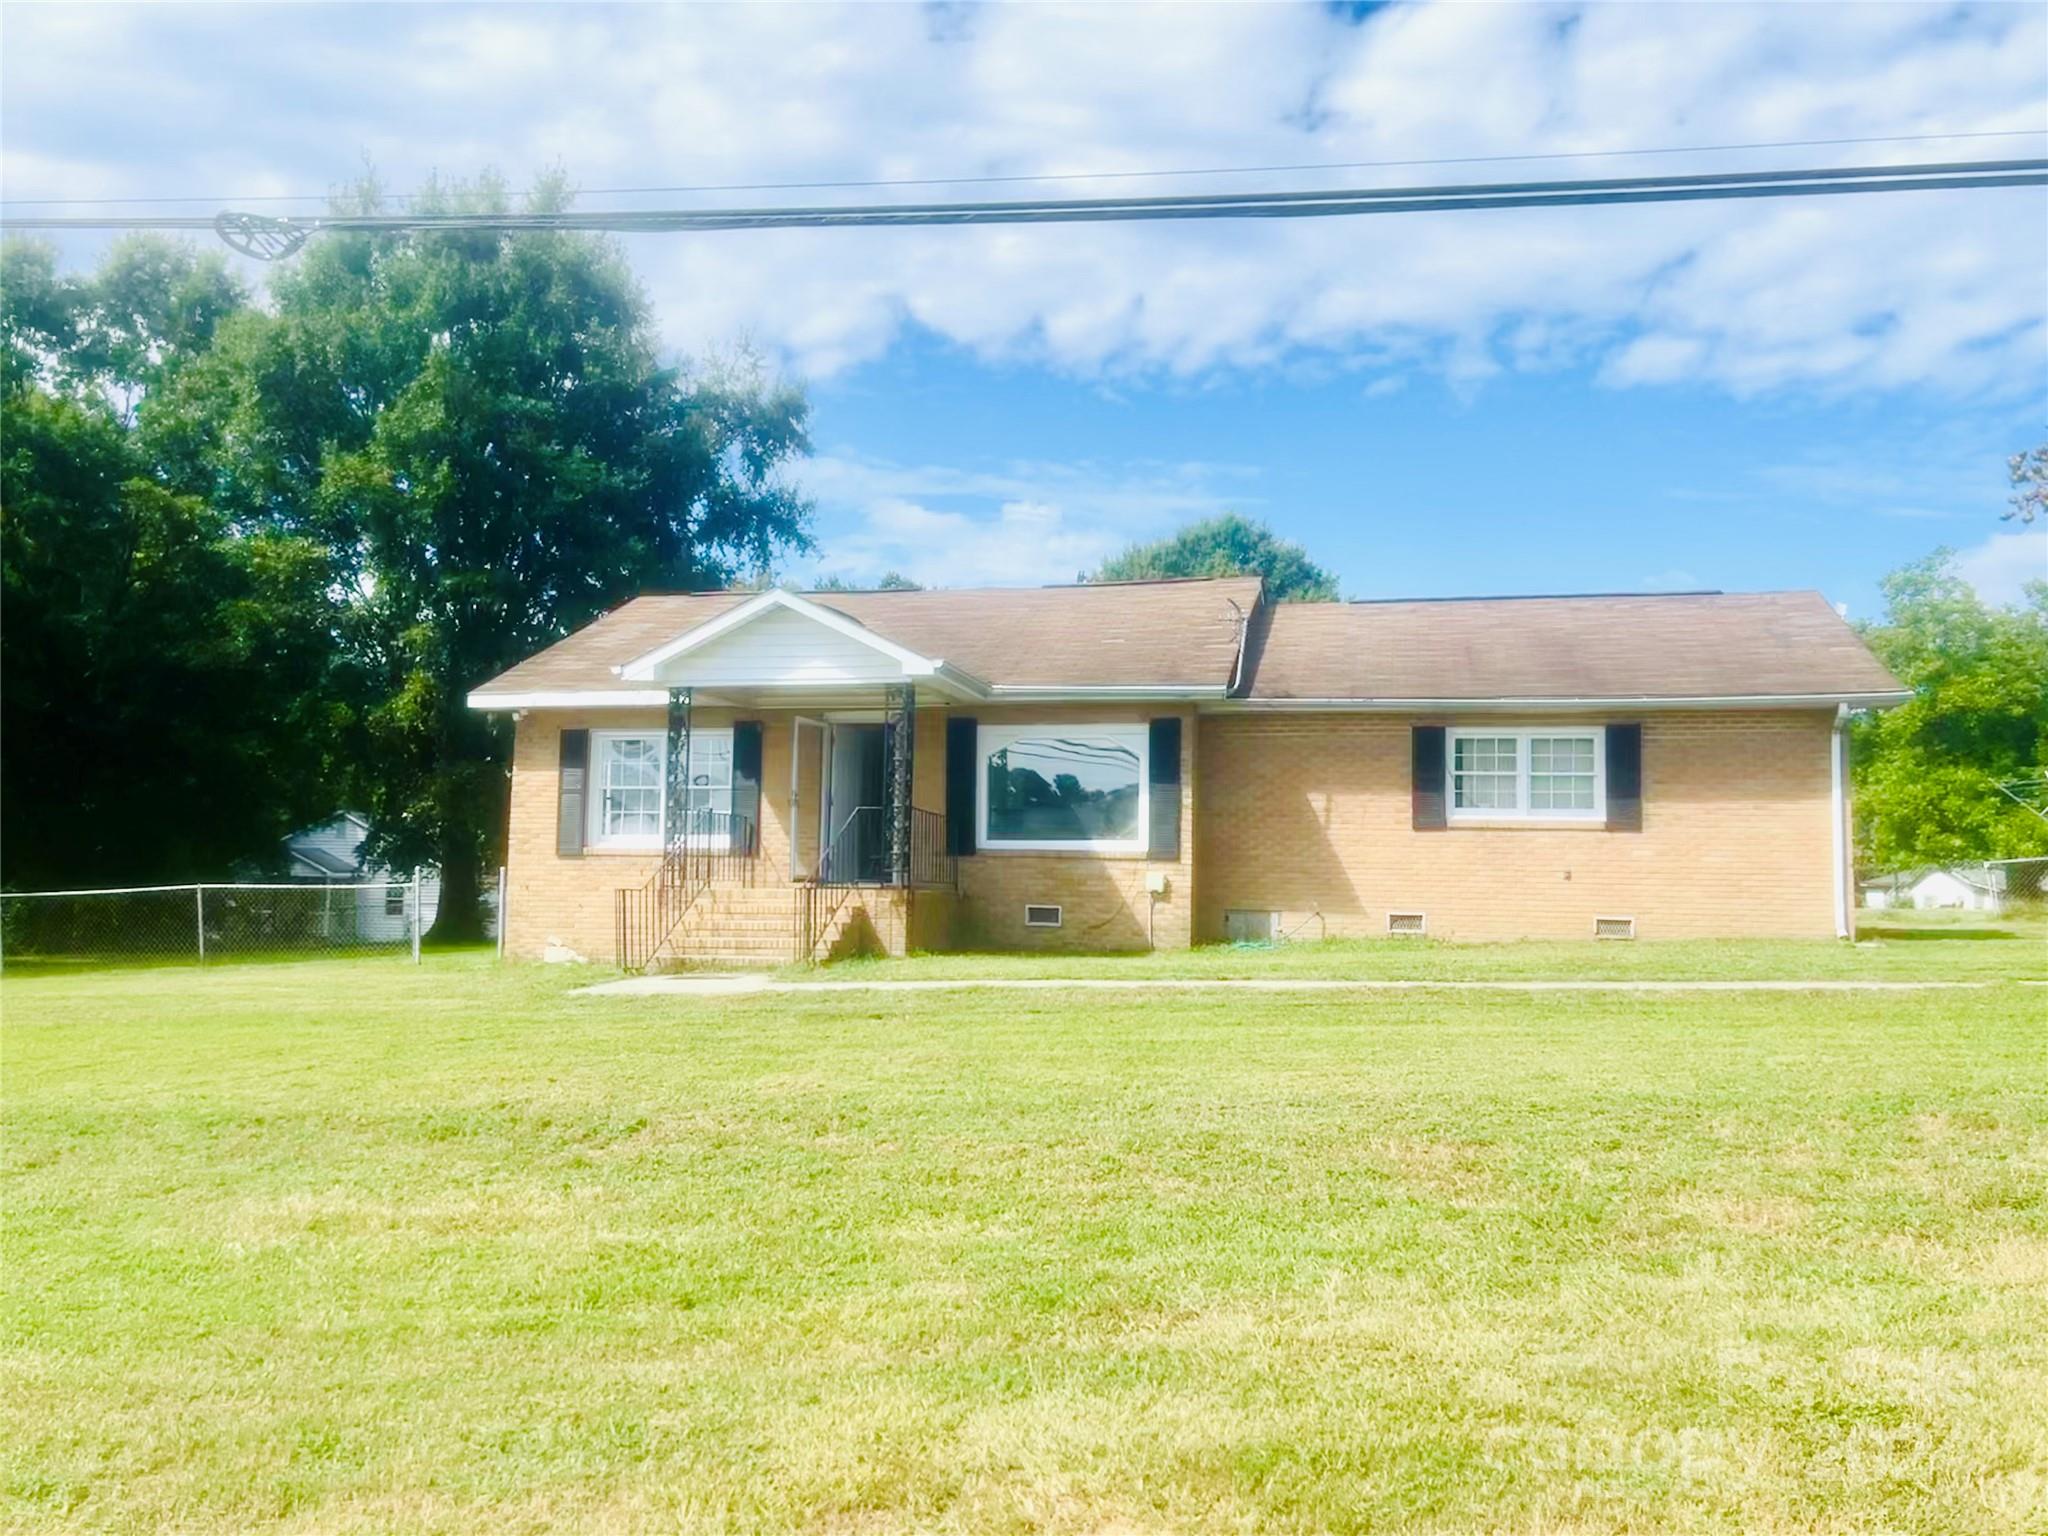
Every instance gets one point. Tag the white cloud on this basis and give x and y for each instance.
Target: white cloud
(1021, 524)
(1024, 543)
(1942, 290)
(2003, 564)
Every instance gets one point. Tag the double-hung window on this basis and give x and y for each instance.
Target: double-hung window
(1548, 773)
(629, 788)
(1063, 787)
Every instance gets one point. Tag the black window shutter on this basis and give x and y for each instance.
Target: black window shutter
(746, 783)
(572, 793)
(1165, 794)
(961, 753)
(1426, 752)
(1624, 778)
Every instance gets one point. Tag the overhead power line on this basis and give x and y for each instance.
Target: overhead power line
(269, 238)
(876, 183)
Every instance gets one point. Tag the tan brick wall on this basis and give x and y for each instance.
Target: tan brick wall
(1306, 815)
(1309, 815)
(1104, 901)
(572, 902)
(550, 899)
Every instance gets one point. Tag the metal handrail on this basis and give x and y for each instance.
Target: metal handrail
(714, 847)
(932, 863)
(830, 884)
(847, 864)
(847, 858)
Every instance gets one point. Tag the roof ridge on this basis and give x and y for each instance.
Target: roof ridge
(1048, 586)
(1542, 597)
(1136, 581)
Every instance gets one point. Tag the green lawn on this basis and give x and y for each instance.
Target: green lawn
(1904, 946)
(356, 1246)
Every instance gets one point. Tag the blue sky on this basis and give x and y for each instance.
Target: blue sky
(1741, 396)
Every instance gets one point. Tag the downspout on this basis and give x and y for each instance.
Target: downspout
(1837, 744)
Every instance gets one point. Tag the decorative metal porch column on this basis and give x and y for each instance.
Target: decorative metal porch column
(901, 714)
(677, 779)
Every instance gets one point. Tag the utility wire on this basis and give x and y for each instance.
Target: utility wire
(269, 238)
(966, 181)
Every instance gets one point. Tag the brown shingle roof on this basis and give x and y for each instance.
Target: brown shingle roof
(1184, 634)
(1160, 634)
(1690, 645)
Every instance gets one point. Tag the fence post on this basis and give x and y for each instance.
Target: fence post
(501, 911)
(199, 903)
(415, 916)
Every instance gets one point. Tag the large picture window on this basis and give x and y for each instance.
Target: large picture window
(629, 798)
(1077, 787)
(1534, 774)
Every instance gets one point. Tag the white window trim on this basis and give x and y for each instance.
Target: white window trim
(593, 822)
(1471, 815)
(988, 737)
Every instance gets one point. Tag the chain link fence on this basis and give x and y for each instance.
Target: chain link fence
(2021, 883)
(2015, 886)
(200, 924)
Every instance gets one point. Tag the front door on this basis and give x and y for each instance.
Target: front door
(858, 837)
(808, 766)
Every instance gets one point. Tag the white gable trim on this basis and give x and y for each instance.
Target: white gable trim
(645, 668)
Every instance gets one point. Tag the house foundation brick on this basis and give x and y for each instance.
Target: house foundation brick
(1308, 816)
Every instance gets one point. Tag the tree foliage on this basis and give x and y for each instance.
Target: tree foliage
(478, 425)
(1927, 772)
(888, 581)
(165, 705)
(2029, 475)
(1228, 545)
(255, 559)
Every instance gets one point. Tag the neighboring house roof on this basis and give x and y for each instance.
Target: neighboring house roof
(1191, 637)
(321, 862)
(1681, 646)
(331, 849)
(1159, 634)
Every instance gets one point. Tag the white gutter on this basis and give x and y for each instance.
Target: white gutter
(1608, 702)
(1212, 696)
(1101, 693)
(573, 698)
(1837, 743)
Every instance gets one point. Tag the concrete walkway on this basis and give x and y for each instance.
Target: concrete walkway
(747, 984)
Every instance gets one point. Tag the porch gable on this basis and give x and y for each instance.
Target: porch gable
(779, 640)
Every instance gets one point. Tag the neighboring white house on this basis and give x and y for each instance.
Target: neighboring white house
(1964, 888)
(333, 853)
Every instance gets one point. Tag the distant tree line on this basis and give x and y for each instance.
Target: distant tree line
(255, 557)
(1927, 774)
(1226, 545)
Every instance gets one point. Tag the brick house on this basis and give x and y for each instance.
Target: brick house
(733, 777)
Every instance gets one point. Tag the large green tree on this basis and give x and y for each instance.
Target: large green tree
(478, 424)
(1228, 545)
(164, 676)
(1927, 773)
